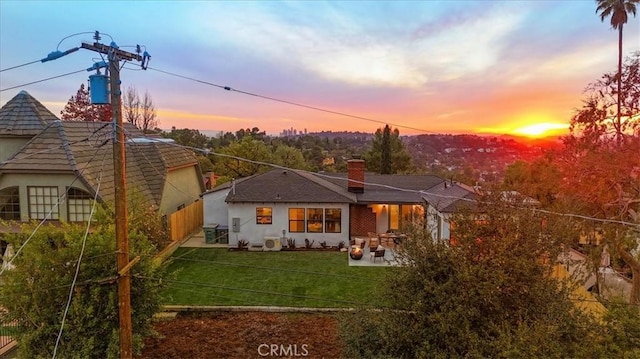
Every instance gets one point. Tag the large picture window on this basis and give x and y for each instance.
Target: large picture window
(43, 200)
(296, 220)
(332, 220)
(314, 220)
(78, 205)
(264, 215)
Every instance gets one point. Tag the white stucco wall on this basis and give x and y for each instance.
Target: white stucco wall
(215, 209)
(254, 233)
(434, 217)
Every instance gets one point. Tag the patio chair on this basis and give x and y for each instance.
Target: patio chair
(377, 253)
(373, 244)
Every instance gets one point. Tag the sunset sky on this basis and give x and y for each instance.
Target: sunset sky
(422, 66)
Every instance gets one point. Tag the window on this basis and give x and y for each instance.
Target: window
(394, 217)
(264, 215)
(314, 220)
(43, 200)
(296, 220)
(78, 205)
(332, 220)
(10, 204)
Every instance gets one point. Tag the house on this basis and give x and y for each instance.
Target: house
(318, 207)
(52, 169)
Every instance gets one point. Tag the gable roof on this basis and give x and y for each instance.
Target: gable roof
(23, 115)
(390, 188)
(85, 149)
(448, 198)
(289, 186)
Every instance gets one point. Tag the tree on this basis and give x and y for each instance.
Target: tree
(232, 160)
(290, 157)
(392, 151)
(619, 11)
(35, 292)
(187, 137)
(385, 155)
(601, 167)
(80, 108)
(491, 295)
(539, 179)
(140, 111)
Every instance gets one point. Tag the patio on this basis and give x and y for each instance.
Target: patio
(366, 260)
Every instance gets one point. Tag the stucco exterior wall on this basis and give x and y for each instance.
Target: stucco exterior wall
(9, 146)
(438, 224)
(215, 209)
(61, 181)
(182, 187)
(254, 233)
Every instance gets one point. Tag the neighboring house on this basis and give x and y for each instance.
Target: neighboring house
(320, 207)
(442, 201)
(53, 169)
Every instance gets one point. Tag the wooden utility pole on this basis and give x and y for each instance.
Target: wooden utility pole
(119, 171)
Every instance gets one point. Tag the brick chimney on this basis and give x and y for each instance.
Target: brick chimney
(355, 174)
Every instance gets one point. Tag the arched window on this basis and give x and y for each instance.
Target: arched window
(10, 204)
(78, 205)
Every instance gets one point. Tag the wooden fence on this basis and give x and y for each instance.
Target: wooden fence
(185, 221)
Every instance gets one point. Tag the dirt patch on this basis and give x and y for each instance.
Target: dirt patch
(245, 335)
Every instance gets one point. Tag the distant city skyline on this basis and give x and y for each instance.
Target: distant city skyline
(479, 67)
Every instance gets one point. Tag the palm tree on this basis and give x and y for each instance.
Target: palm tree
(618, 10)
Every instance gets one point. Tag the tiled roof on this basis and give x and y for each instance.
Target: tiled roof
(23, 115)
(85, 148)
(288, 186)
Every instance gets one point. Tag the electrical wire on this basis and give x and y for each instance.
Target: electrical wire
(162, 175)
(279, 269)
(61, 198)
(470, 200)
(43, 80)
(315, 108)
(84, 242)
(17, 66)
(247, 290)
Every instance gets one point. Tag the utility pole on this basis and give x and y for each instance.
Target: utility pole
(115, 55)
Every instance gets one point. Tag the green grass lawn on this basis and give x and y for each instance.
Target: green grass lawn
(214, 276)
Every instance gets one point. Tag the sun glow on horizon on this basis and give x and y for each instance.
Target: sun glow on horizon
(542, 129)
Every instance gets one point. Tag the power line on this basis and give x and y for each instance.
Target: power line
(84, 242)
(279, 269)
(471, 200)
(17, 66)
(315, 108)
(61, 198)
(43, 80)
(247, 290)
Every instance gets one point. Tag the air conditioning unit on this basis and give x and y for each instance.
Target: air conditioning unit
(272, 244)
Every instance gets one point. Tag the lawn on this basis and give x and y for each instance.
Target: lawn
(214, 276)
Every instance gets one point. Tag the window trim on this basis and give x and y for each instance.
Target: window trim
(49, 203)
(315, 221)
(301, 222)
(263, 218)
(11, 208)
(81, 195)
(328, 220)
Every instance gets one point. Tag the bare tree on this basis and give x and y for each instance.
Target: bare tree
(140, 111)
